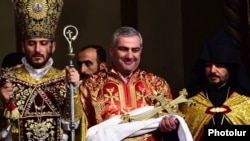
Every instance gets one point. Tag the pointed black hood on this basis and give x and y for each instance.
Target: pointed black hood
(221, 48)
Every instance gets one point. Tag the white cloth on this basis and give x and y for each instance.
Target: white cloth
(5, 136)
(111, 130)
(37, 73)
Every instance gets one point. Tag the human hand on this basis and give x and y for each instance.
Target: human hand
(6, 92)
(168, 124)
(72, 76)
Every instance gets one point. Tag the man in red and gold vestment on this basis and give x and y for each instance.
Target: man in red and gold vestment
(220, 87)
(36, 95)
(124, 90)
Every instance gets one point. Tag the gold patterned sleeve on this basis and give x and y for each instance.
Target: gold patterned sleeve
(84, 101)
(78, 106)
(87, 106)
(160, 86)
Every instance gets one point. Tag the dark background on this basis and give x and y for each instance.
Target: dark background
(173, 30)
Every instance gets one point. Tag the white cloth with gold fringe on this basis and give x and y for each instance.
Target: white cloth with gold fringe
(114, 130)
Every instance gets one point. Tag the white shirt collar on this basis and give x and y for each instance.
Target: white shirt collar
(37, 73)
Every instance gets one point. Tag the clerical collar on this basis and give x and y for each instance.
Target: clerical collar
(37, 73)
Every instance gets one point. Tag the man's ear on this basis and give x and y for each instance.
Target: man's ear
(111, 49)
(53, 47)
(103, 65)
(22, 47)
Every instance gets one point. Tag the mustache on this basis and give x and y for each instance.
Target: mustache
(37, 55)
(212, 75)
(127, 59)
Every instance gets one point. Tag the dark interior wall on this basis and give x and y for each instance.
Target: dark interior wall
(173, 32)
(200, 20)
(7, 29)
(161, 26)
(95, 20)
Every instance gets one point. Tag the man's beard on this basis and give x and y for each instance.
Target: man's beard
(221, 83)
(83, 75)
(39, 65)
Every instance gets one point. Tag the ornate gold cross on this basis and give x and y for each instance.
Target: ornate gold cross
(162, 106)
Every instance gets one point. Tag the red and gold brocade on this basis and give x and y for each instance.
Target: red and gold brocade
(105, 94)
(41, 104)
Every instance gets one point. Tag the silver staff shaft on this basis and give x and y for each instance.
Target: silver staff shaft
(70, 32)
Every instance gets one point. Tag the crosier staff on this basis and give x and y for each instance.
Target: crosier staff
(70, 32)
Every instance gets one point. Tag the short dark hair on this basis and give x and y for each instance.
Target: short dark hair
(101, 53)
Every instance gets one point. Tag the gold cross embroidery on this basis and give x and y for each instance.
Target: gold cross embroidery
(110, 96)
(141, 94)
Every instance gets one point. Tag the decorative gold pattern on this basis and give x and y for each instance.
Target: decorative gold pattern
(105, 95)
(141, 93)
(162, 105)
(41, 104)
(111, 97)
(40, 131)
(239, 114)
(37, 9)
(37, 18)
